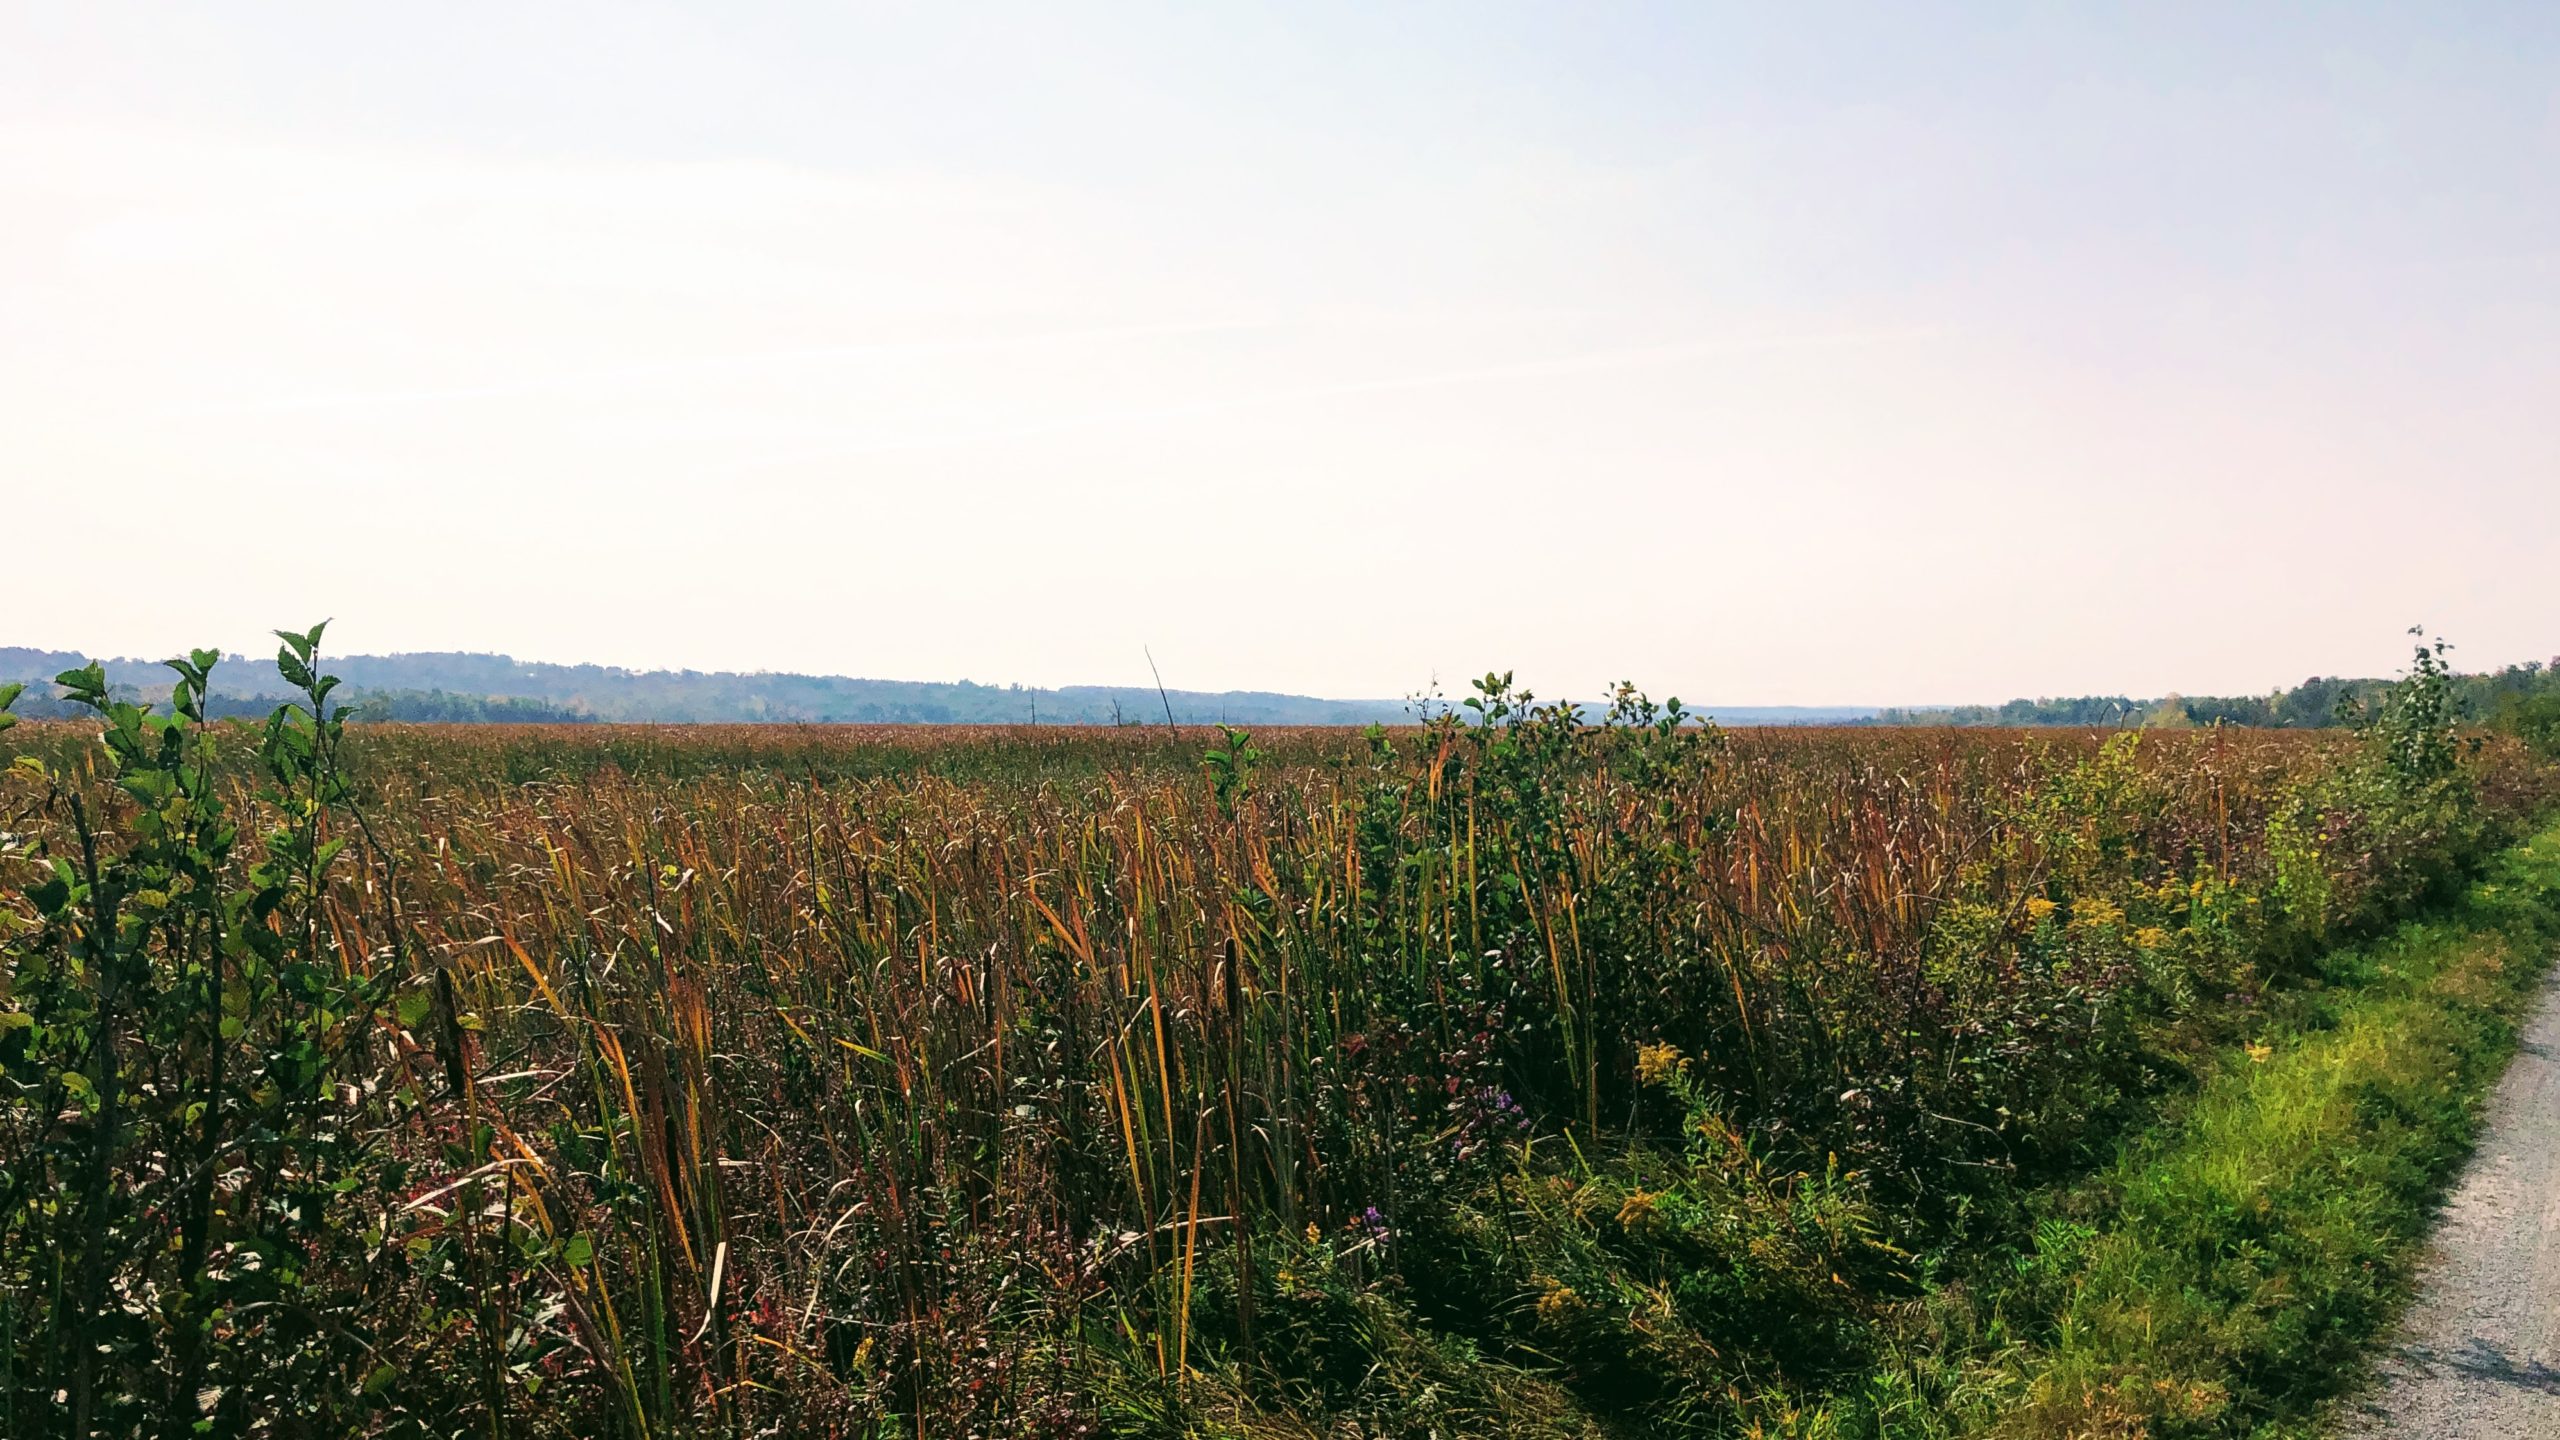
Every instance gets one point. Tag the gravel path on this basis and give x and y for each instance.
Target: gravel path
(2479, 1353)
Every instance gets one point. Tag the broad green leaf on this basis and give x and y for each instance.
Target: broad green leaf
(413, 1007)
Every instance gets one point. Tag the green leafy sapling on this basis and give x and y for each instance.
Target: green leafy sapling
(182, 1042)
(1231, 764)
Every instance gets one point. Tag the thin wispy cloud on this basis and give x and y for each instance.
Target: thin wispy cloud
(1596, 362)
(694, 368)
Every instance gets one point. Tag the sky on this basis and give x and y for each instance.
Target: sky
(1887, 353)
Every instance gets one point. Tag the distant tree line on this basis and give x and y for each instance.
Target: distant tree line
(2513, 696)
(444, 707)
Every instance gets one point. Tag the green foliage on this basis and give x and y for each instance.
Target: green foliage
(185, 1153)
(1230, 766)
(2260, 1242)
(2415, 729)
(2534, 719)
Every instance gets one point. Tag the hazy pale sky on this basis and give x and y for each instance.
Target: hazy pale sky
(1761, 353)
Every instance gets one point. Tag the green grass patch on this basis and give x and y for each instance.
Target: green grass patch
(2261, 1240)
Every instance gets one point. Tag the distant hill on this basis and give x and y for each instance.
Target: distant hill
(454, 685)
(461, 687)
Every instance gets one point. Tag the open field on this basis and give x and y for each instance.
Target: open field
(1521, 1077)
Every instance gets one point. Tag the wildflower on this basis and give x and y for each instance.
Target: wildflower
(2150, 937)
(1557, 1301)
(2039, 909)
(2095, 913)
(1492, 1109)
(1656, 1064)
(1368, 1225)
(1637, 1212)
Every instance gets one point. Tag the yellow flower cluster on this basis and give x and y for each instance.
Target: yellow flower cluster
(2095, 913)
(1557, 1302)
(1656, 1064)
(2039, 909)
